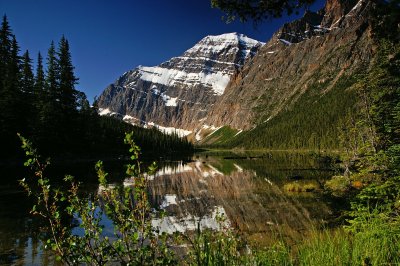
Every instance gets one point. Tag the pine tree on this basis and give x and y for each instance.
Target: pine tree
(68, 93)
(39, 99)
(52, 76)
(5, 50)
(13, 106)
(50, 113)
(27, 81)
(39, 86)
(10, 88)
(5, 54)
(27, 87)
(14, 67)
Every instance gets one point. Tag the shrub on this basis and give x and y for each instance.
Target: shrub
(338, 184)
(301, 186)
(135, 241)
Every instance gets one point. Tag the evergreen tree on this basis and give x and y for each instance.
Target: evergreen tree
(52, 76)
(5, 51)
(50, 113)
(27, 82)
(39, 99)
(27, 87)
(10, 90)
(39, 86)
(5, 54)
(14, 67)
(68, 93)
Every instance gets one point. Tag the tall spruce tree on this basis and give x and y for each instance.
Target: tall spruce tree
(28, 99)
(52, 76)
(5, 58)
(39, 85)
(39, 99)
(50, 113)
(5, 54)
(68, 93)
(27, 81)
(10, 87)
(5, 50)
(13, 105)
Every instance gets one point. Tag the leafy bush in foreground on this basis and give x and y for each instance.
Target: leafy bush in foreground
(135, 241)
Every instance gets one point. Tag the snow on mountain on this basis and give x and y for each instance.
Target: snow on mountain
(178, 92)
(217, 44)
(204, 52)
(170, 77)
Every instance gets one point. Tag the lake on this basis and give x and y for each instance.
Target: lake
(248, 189)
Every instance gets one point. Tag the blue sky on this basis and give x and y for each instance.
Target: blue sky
(109, 37)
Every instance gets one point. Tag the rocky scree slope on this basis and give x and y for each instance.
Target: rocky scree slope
(178, 93)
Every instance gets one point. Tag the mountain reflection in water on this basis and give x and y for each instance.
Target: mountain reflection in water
(248, 192)
(199, 191)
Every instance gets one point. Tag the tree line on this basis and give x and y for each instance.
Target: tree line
(295, 128)
(46, 107)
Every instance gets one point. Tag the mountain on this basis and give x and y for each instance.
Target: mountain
(231, 90)
(297, 89)
(298, 56)
(178, 93)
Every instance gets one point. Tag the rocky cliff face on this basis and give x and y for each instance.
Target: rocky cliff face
(320, 48)
(179, 92)
(236, 81)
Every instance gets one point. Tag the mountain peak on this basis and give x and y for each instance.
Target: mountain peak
(185, 86)
(232, 47)
(231, 37)
(215, 44)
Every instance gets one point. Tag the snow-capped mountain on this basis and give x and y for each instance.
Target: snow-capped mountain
(179, 92)
(232, 80)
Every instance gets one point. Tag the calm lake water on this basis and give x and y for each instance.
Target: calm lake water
(247, 189)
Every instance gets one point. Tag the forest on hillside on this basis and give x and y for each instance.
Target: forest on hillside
(360, 108)
(46, 107)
